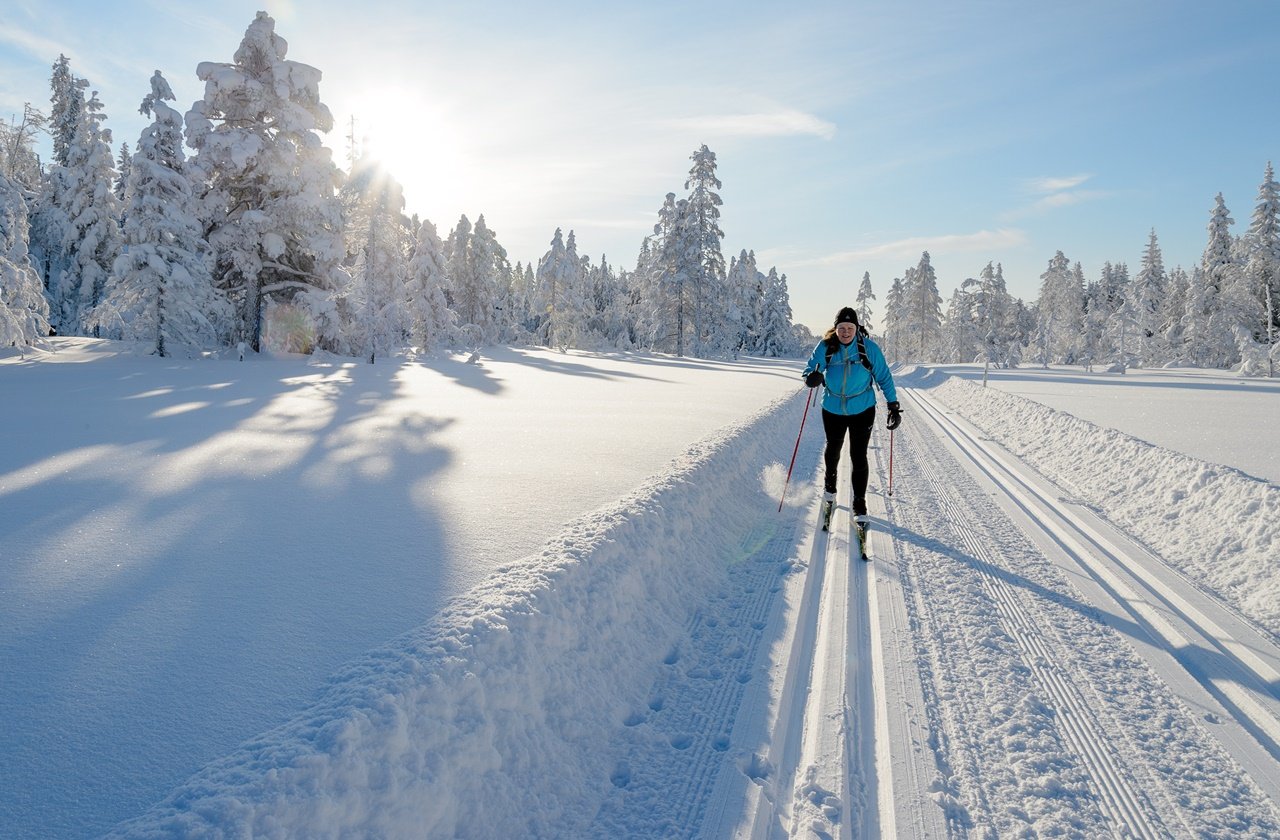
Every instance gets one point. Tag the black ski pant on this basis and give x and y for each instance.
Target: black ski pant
(858, 428)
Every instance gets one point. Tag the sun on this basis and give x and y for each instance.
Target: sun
(418, 143)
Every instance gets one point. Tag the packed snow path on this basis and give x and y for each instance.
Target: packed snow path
(1071, 683)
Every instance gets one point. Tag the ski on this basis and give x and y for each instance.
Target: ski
(828, 508)
(862, 526)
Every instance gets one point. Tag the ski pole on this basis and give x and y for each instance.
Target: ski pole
(891, 462)
(807, 401)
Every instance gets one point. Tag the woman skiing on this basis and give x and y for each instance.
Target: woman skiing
(847, 362)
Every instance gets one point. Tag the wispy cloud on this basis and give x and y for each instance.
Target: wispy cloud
(1053, 185)
(911, 247)
(1055, 193)
(786, 123)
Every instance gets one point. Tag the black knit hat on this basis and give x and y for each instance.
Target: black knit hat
(846, 315)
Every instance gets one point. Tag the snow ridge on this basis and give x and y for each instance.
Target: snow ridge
(1217, 525)
(476, 724)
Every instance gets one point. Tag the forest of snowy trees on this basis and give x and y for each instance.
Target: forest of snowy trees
(232, 226)
(257, 239)
(1221, 313)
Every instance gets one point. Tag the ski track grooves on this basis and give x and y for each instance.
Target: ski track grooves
(1243, 683)
(1080, 728)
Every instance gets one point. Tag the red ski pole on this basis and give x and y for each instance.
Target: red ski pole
(891, 462)
(807, 401)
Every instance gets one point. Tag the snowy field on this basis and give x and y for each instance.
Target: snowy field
(552, 596)
(1213, 415)
(190, 548)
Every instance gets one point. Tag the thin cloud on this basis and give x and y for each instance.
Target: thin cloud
(1053, 185)
(788, 123)
(912, 247)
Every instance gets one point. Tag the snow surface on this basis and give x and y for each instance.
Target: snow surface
(552, 595)
(192, 547)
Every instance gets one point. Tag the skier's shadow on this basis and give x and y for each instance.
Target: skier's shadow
(1206, 663)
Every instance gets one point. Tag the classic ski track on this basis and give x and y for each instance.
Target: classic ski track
(1080, 728)
(690, 715)
(1249, 693)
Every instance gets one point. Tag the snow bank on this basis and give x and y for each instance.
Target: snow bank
(493, 719)
(1215, 524)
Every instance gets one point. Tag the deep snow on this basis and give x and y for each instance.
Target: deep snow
(374, 600)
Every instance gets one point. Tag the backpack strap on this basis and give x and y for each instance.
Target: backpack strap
(833, 344)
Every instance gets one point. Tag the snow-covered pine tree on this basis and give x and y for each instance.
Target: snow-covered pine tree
(863, 301)
(122, 173)
(961, 341)
(1263, 253)
(24, 312)
(1059, 313)
(161, 288)
(777, 338)
(893, 319)
(920, 319)
(560, 296)
(271, 211)
(703, 263)
(1173, 306)
(92, 240)
(67, 96)
(431, 322)
(1227, 294)
(378, 236)
(480, 303)
(744, 287)
(1146, 293)
(667, 312)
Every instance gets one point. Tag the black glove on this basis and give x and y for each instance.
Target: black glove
(895, 416)
(814, 379)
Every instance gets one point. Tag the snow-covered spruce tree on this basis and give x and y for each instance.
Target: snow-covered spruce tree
(994, 320)
(1146, 293)
(161, 288)
(1227, 297)
(702, 260)
(270, 209)
(560, 298)
(960, 340)
(67, 98)
(1262, 244)
(92, 240)
(431, 321)
(920, 317)
(378, 238)
(1173, 307)
(1059, 313)
(123, 162)
(24, 312)
(745, 284)
(893, 320)
(666, 312)
(777, 338)
(863, 301)
(492, 284)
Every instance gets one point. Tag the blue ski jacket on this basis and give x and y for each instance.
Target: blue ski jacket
(848, 383)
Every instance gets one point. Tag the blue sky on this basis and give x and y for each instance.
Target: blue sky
(850, 135)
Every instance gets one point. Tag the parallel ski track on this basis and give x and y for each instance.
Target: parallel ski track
(1122, 803)
(1244, 683)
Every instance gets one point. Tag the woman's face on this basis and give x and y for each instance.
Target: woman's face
(845, 332)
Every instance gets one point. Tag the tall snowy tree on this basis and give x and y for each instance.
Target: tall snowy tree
(776, 333)
(893, 320)
(66, 115)
(481, 304)
(161, 289)
(18, 159)
(1263, 254)
(1059, 313)
(92, 239)
(746, 285)
(920, 317)
(1227, 299)
(431, 321)
(666, 279)
(24, 313)
(560, 297)
(1147, 291)
(702, 260)
(378, 233)
(271, 211)
(863, 301)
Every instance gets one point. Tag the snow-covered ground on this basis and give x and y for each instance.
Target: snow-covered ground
(553, 595)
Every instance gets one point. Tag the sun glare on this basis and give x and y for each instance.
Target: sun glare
(419, 145)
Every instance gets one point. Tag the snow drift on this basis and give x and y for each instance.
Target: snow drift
(1218, 526)
(476, 724)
